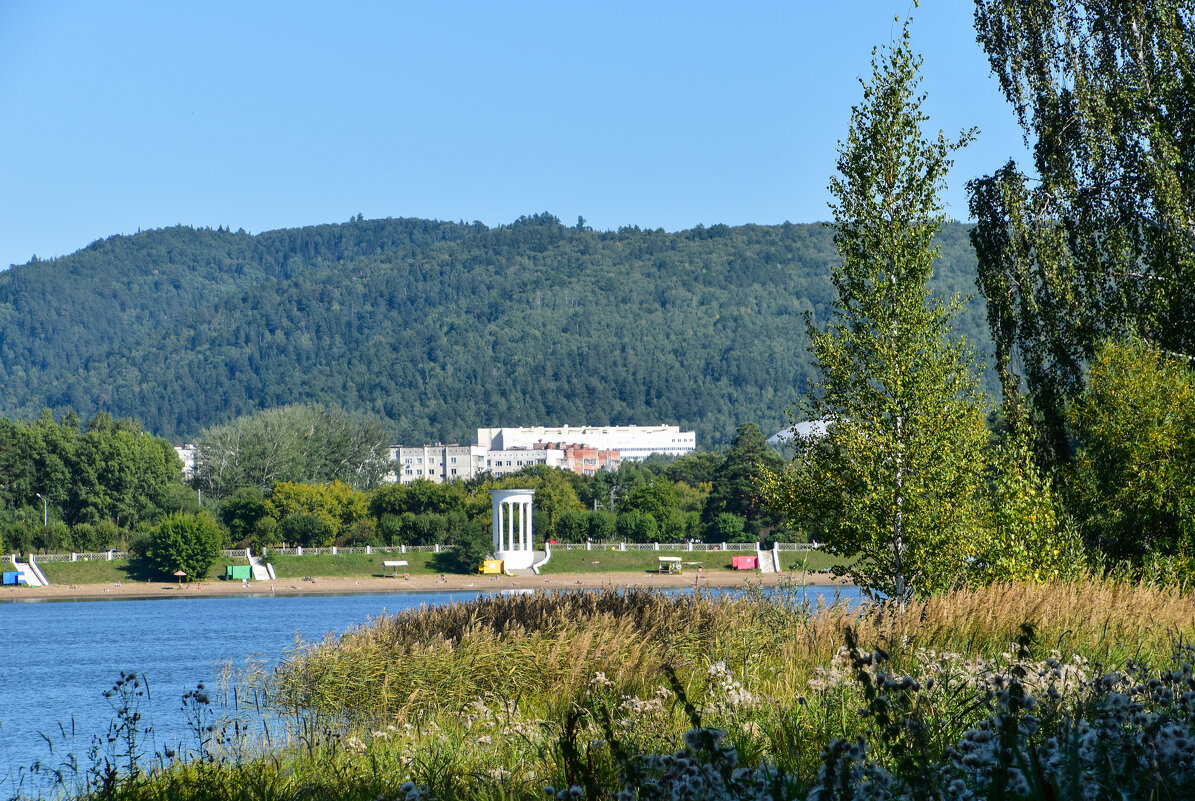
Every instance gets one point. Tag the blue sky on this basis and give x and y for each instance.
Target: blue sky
(121, 116)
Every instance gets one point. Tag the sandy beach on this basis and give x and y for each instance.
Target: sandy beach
(448, 582)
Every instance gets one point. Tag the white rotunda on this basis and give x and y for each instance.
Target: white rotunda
(513, 534)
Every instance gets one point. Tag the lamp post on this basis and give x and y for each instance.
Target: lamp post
(45, 510)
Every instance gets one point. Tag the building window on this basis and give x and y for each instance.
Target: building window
(454, 471)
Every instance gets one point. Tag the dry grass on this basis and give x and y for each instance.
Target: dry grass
(476, 699)
(542, 647)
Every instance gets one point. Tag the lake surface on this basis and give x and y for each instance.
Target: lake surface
(60, 657)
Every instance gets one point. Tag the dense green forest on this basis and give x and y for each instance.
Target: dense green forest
(435, 327)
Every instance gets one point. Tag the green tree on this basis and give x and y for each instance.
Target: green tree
(694, 469)
(306, 530)
(1096, 239)
(636, 526)
(241, 512)
(420, 497)
(728, 527)
(1133, 479)
(336, 504)
(1029, 536)
(311, 444)
(895, 478)
(185, 542)
(573, 526)
(121, 474)
(736, 485)
(471, 544)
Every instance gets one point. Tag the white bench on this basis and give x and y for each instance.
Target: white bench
(396, 564)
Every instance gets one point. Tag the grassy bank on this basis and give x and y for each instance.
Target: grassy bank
(506, 696)
(350, 565)
(580, 561)
(102, 571)
(358, 565)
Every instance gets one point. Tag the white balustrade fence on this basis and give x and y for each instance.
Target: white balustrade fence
(240, 553)
(81, 557)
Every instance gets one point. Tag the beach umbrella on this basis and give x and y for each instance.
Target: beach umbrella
(180, 575)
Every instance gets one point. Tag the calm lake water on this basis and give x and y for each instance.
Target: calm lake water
(60, 657)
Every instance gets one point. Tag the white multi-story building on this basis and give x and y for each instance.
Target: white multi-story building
(437, 463)
(187, 454)
(512, 460)
(633, 443)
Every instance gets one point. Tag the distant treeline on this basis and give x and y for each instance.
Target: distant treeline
(435, 328)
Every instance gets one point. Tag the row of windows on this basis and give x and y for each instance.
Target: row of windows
(419, 460)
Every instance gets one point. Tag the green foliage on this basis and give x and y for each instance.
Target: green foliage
(307, 530)
(336, 504)
(895, 479)
(1133, 480)
(110, 472)
(573, 526)
(186, 542)
(312, 443)
(728, 527)
(695, 469)
(471, 545)
(603, 526)
(120, 474)
(636, 526)
(1030, 538)
(735, 485)
(420, 497)
(521, 322)
(1094, 241)
(86, 538)
(242, 512)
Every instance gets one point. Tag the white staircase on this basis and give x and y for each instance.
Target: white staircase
(769, 561)
(29, 573)
(260, 571)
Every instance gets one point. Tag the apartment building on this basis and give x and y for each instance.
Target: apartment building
(633, 443)
(437, 463)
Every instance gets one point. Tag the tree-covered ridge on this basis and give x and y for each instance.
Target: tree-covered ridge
(435, 327)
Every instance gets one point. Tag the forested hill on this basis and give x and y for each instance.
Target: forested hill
(436, 327)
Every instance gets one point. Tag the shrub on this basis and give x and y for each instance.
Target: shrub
(636, 526)
(187, 542)
(471, 544)
(307, 530)
(728, 527)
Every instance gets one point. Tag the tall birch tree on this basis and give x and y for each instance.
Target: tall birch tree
(895, 478)
(1095, 239)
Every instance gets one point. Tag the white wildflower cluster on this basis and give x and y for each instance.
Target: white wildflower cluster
(476, 713)
(599, 681)
(409, 791)
(1119, 729)
(848, 772)
(383, 734)
(837, 674)
(706, 769)
(727, 692)
(639, 712)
